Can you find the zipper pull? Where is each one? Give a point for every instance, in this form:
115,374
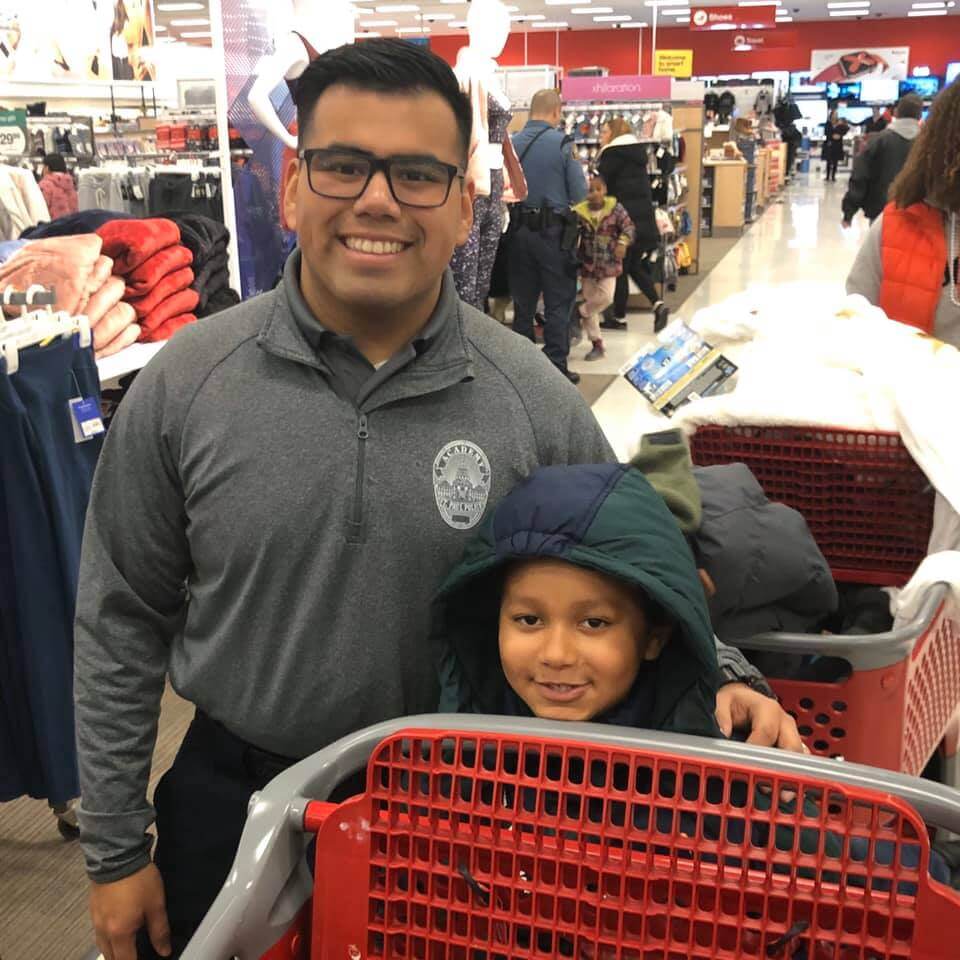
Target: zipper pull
362,431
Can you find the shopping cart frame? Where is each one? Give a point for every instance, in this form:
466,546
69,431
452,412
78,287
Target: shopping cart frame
269,885
902,699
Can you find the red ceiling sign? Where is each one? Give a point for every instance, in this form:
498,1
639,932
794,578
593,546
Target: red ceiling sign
733,18
763,40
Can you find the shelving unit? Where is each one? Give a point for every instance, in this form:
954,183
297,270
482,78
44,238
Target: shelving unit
725,183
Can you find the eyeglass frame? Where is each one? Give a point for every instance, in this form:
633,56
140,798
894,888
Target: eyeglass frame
378,165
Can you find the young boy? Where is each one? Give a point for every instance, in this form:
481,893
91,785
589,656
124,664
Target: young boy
606,233
579,599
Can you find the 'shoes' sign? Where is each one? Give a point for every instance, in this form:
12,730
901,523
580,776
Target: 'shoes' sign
733,18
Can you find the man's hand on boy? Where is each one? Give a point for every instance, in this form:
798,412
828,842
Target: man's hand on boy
120,909
740,707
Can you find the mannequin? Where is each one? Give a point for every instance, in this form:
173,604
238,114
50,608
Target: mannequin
488,24
315,27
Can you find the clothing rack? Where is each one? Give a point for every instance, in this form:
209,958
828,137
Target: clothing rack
38,325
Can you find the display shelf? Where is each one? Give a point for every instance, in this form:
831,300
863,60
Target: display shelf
132,358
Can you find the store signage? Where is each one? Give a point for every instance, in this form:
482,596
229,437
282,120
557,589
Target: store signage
733,18
13,133
616,89
673,63
890,63
764,40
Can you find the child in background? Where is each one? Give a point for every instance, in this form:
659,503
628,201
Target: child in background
606,233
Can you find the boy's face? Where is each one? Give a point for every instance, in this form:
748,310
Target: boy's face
597,194
571,640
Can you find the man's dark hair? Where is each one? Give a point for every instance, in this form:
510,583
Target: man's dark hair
55,163
384,66
909,107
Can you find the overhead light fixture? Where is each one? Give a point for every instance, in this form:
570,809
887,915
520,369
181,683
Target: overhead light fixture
379,23
759,3
677,13
369,35
632,25
926,13
784,19
848,4
561,3
457,24
552,24
436,16
616,18
592,10
159,28
192,22
413,29
849,13
398,8
196,34
929,6
175,7
528,16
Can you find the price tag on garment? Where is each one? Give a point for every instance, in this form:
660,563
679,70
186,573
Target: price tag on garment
137,192
86,418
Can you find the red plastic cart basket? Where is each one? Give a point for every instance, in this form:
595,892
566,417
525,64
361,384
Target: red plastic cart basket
901,699
867,503
483,838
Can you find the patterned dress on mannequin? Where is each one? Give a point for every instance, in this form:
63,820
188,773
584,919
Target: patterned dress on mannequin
472,264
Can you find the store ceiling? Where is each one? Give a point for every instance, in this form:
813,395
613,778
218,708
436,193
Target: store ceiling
388,17
580,14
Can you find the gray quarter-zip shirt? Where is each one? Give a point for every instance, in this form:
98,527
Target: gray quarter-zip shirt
274,546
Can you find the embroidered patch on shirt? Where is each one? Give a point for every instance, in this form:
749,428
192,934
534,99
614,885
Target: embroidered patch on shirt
461,484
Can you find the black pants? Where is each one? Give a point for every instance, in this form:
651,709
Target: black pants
538,266
832,169
637,266
201,805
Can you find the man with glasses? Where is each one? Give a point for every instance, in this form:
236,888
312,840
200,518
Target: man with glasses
286,484
284,487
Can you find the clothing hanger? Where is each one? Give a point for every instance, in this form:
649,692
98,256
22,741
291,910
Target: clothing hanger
37,326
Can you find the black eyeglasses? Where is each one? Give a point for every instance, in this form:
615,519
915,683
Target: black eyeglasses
415,181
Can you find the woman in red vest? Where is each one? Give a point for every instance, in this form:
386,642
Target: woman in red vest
909,263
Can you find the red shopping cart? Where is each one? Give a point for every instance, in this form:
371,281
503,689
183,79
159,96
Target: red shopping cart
867,503
870,509
482,838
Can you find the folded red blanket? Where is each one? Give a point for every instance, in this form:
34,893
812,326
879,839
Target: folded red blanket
169,285
183,302
130,243
168,328
142,280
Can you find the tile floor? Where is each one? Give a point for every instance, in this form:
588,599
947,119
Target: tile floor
797,238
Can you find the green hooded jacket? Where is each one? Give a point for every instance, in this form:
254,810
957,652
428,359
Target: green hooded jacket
606,518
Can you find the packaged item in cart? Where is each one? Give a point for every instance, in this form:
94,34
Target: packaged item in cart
679,366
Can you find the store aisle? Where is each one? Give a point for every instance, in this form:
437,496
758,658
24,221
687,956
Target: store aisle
797,239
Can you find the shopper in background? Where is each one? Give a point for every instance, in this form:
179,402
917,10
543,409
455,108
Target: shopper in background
58,188
606,233
880,162
876,123
835,130
623,166
908,264
542,252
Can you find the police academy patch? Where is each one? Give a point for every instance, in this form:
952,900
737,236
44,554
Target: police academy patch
461,484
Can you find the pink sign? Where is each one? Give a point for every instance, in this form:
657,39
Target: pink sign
616,89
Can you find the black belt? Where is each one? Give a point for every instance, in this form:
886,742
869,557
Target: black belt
541,218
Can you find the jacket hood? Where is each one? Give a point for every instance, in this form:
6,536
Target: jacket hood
586,212
606,518
905,127
624,140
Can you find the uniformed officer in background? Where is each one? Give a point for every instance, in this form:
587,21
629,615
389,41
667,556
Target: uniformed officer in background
543,251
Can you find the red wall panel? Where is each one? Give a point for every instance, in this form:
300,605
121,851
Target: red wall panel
933,42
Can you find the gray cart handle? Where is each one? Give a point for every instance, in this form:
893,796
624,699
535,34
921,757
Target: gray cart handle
872,651
270,882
